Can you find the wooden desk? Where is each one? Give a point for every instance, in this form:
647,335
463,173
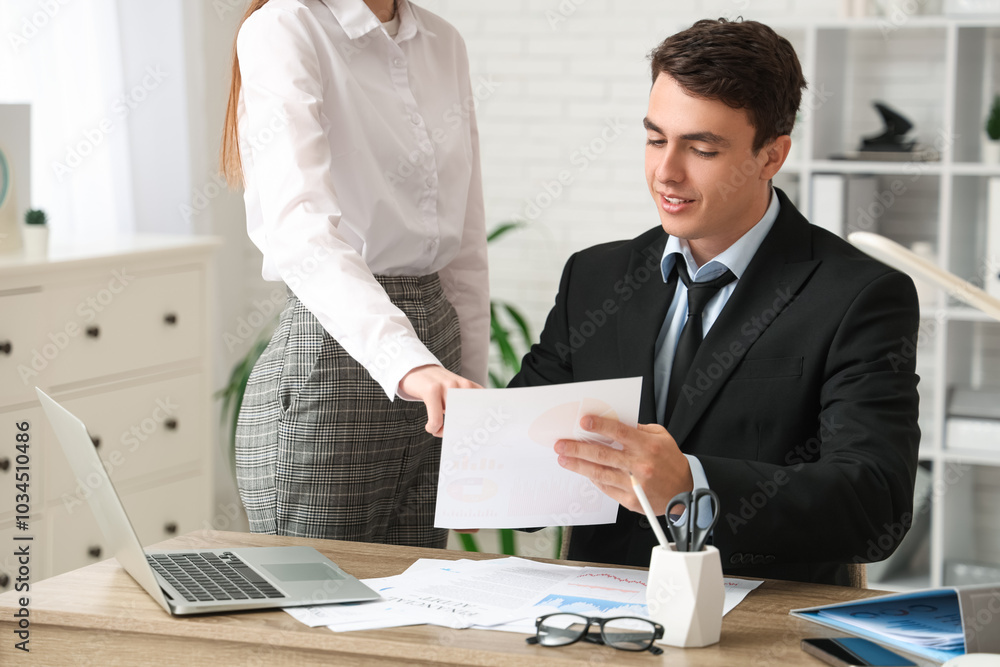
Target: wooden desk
99,615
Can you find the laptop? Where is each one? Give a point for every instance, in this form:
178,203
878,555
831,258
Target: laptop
201,581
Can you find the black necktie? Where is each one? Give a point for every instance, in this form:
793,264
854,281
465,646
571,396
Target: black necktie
699,294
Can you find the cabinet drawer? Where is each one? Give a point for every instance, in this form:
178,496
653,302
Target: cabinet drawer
120,324
156,514
20,334
10,462
137,431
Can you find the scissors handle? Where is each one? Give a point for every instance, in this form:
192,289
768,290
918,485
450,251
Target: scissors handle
699,533
688,534
680,530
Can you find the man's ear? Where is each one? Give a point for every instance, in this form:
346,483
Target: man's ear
775,152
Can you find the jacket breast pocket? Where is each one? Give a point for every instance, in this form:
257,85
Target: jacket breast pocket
760,369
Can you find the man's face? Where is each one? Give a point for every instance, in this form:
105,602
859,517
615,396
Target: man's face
708,185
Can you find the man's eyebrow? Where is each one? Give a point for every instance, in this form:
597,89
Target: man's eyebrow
706,136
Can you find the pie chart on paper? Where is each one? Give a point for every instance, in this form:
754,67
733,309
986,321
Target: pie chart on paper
563,421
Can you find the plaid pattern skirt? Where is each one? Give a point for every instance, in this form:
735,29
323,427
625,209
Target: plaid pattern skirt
320,450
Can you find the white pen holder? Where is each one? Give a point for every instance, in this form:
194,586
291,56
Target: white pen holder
685,595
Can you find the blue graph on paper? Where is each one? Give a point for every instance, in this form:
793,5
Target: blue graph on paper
592,606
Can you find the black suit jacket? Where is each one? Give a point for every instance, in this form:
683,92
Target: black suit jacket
801,404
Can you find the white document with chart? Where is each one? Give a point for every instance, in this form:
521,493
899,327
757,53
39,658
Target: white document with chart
498,465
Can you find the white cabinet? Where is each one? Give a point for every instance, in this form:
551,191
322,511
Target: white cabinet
941,74
119,334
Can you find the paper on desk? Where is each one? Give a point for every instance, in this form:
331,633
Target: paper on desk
379,612
500,594
456,594
605,592
382,613
486,593
498,466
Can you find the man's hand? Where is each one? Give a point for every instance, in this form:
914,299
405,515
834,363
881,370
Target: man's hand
430,384
649,452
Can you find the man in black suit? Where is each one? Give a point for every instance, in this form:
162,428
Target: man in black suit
796,402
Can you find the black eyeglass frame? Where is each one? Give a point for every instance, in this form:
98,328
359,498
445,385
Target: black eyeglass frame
600,638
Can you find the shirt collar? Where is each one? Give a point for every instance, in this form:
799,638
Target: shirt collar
735,258
357,20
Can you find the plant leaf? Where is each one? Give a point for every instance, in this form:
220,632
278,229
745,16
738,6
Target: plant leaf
502,229
502,338
468,542
521,321
507,546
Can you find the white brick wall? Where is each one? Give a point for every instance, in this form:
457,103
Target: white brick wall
566,69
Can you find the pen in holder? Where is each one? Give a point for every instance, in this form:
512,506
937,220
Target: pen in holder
684,591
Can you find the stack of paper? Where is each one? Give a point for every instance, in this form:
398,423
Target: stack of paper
501,594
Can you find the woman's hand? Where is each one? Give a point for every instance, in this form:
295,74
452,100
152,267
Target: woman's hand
430,384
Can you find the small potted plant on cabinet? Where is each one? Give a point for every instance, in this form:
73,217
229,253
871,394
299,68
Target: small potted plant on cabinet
35,234
991,148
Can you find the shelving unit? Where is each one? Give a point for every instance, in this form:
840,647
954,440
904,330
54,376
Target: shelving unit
940,73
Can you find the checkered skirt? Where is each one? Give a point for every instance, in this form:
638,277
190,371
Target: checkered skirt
320,450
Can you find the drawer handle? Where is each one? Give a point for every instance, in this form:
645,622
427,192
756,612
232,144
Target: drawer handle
170,424
96,439
4,464
94,331
4,580
170,528
170,318
94,552
5,347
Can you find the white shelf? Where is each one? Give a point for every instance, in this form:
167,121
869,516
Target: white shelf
973,456
941,73
875,167
965,314
974,169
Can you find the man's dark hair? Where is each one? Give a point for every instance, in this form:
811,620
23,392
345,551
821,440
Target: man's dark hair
744,64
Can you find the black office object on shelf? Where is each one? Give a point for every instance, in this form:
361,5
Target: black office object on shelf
893,135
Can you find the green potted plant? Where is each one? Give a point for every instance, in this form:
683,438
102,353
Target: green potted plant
991,148
35,235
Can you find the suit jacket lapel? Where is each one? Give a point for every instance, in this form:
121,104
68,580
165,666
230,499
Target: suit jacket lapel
640,319
773,279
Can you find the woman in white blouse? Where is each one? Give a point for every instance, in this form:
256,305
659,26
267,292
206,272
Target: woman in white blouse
351,126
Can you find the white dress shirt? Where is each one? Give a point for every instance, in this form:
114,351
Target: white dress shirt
360,156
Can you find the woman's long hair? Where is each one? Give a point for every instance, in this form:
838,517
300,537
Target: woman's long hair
229,155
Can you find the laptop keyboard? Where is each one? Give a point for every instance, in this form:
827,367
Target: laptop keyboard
204,577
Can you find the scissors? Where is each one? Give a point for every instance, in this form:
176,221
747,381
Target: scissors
689,535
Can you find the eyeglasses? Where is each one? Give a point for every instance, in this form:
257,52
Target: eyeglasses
626,633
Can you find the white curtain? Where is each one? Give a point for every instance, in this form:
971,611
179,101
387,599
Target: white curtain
109,135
